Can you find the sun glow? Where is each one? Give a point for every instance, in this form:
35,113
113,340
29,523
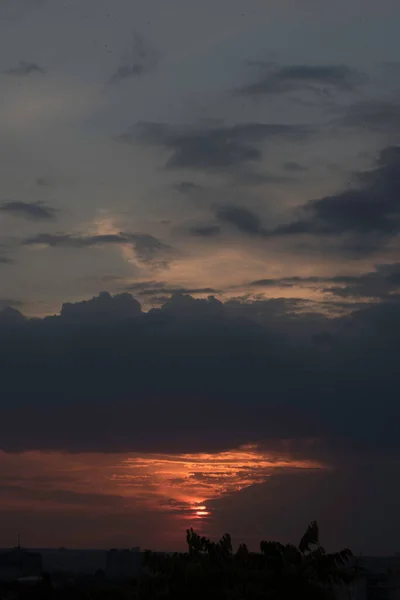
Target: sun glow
182,486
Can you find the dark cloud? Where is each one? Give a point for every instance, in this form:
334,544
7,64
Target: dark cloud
187,187
158,289
205,230
126,71
366,215
10,302
294,167
371,116
25,68
226,148
243,219
296,280
147,247
142,60
5,260
342,500
119,307
313,78
42,181
381,283
254,370
36,211
60,497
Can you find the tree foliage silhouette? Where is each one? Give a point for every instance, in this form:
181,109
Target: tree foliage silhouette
213,570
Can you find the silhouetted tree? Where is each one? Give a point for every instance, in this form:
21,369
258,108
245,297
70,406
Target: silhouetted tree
280,572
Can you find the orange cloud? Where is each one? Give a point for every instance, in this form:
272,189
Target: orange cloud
178,485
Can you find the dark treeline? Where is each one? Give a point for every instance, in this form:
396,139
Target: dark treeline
212,570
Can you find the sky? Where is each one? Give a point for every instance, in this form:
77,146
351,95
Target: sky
199,271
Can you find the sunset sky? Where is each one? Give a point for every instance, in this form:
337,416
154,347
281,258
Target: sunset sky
199,271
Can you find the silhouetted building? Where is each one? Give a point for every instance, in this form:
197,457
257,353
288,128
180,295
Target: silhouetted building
382,576
114,563
122,564
18,563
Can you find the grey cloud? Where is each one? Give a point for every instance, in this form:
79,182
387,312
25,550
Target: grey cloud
165,289
373,115
142,60
23,492
119,307
205,230
315,78
187,187
73,241
127,71
381,283
5,260
106,360
42,181
226,148
10,302
159,288
242,218
25,68
296,280
147,247
294,167
36,211
295,498
368,213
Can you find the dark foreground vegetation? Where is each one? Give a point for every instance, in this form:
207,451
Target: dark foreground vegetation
212,570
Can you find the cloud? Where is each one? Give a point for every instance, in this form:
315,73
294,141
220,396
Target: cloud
141,61
36,211
226,148
146,246
381,116
294,167
127,71
187,187
104,306
10,302
25,68
381,283
313,78
366,215
201,376
243,219
5,260
205,230
156,289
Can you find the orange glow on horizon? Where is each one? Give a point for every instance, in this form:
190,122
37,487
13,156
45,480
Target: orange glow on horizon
179,485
